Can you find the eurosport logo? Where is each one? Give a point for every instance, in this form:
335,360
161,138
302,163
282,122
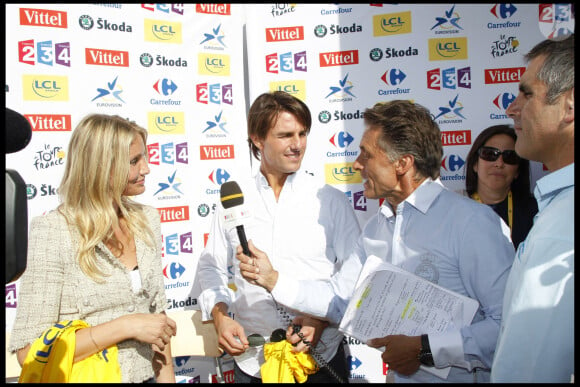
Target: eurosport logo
170,188
216,127
451,112
214,39
448,23
44,52
341,92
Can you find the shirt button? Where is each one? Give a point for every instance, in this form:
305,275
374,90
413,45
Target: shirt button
153,303
131,308
86,303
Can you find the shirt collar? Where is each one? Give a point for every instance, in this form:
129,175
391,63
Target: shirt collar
262,182
421,198
550,185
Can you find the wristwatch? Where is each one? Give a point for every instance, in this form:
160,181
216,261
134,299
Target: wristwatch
425,355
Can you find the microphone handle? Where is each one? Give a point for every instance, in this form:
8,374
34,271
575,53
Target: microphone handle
243,240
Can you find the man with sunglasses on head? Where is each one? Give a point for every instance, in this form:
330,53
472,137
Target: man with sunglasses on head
495,175
536,341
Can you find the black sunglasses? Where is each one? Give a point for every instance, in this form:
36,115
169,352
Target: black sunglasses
489,153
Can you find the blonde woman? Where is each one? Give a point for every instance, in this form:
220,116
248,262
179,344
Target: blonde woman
97,257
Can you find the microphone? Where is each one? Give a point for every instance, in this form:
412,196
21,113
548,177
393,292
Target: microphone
232,199
18,131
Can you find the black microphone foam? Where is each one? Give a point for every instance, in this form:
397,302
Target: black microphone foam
231,196
18,131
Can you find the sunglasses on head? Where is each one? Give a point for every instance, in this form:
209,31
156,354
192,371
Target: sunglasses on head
489,153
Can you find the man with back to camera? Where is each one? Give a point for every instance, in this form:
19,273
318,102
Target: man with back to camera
536,341
308,228
423,228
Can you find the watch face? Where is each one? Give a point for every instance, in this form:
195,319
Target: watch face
427,359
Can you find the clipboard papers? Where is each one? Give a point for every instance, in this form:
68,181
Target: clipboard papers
389,300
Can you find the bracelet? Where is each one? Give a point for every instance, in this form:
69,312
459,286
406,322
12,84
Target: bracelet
93,340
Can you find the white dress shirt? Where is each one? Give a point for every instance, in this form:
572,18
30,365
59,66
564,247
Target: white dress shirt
308,233
448,239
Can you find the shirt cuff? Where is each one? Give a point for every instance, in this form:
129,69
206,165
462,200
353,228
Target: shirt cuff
447,348
210,297
285,291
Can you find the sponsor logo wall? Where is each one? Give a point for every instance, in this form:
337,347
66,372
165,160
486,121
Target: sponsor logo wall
180,71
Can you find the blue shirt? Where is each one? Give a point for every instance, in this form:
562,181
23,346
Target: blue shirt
450,240
307,233
536,343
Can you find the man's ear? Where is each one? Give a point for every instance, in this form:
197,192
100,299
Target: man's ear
404,164
569,106
256,141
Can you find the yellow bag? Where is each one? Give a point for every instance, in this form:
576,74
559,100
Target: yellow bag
50,359
284,366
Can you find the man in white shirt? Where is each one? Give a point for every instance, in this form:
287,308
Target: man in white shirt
307,228
536,341
423,228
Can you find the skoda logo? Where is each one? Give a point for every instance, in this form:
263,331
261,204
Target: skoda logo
324,116
146,59
203,210
30,191
320,31
376,54
86,22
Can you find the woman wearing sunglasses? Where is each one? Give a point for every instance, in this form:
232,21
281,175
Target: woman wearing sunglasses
498,177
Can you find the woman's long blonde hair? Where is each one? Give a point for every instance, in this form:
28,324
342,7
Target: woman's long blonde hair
96,174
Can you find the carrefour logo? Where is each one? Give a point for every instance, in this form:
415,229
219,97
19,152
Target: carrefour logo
452,163
393,77
219,176
503,11
341,139
165,86
173,271
503,100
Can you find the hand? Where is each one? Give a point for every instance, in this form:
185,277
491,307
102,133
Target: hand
401,353
257,269
231,335
311,330
156,329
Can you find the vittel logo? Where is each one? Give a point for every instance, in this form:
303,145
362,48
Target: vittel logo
282,34
43,18
216,9
504,75
338,58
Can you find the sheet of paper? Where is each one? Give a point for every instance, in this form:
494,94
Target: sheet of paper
193,338
389,300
